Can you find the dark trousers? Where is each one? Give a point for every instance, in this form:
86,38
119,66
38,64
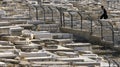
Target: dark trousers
104,16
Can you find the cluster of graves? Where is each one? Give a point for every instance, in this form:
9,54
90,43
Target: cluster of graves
30,34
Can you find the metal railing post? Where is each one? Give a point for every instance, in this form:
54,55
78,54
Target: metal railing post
112,33
108,60
63,19
71,19
36,8
29,8
101,29
43,13
60,11
91,23
52,12
81,20
61,16
91,27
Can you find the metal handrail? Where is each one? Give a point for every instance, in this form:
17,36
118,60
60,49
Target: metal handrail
117,64
80,18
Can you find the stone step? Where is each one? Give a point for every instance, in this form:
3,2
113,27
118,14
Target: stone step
97,46
101,52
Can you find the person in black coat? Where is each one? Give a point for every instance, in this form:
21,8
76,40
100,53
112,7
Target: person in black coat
104,13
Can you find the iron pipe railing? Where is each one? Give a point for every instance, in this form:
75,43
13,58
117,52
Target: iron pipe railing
112,30
116,63
78,12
